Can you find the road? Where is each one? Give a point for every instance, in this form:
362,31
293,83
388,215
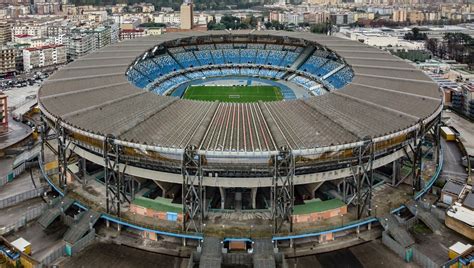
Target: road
452,167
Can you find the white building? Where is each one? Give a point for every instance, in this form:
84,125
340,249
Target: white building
43,57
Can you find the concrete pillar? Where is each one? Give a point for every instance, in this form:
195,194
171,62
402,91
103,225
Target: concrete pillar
222,191
396,172
107,223
164,186
369,226
82,172
313,187
119,227
253,196
358,229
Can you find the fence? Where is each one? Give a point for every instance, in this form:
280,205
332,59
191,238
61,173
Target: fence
30,215
12,174
54,255
82,243
422,260
13,200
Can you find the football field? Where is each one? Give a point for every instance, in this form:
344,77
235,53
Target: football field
233,93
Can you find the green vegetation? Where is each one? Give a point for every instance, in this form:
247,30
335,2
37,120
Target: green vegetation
158,204
415,35
413,55
233,93
152,25
234,23
320,28
454,46
317,206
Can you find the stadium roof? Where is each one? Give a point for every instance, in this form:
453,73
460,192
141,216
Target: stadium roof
386,96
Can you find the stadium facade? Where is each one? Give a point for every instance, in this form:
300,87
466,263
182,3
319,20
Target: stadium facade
120,108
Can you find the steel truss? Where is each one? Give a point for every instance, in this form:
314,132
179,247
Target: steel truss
192,191
362,175
282,190
64,156
114,176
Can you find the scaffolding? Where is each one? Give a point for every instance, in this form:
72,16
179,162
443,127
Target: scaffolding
282,191
192,190
363,177
114,177
57,133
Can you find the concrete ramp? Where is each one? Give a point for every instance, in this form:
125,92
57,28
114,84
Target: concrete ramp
211,255
426,217
263,254
55,211
398,232
80,228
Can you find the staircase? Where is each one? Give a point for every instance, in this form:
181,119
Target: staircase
263,253
426,217
398,233
55,211
211,255
81,227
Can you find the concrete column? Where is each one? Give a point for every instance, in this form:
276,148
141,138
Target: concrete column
253,196
222,191
313,187
396,172
107,223
119,227
82,166
164,186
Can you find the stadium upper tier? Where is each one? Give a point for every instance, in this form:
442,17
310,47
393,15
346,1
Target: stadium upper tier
379,96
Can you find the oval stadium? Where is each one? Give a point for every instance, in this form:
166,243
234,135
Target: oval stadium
213,132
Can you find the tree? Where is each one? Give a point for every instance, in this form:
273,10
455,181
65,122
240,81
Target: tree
431,45
321,28
415,35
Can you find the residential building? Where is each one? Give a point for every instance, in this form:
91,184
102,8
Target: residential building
7,60
3,113
43,57
5,33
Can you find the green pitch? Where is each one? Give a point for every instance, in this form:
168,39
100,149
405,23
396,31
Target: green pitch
233,93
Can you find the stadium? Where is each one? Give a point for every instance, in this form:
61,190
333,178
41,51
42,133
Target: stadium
202,123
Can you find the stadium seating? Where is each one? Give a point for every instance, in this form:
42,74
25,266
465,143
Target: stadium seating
262,56
217,56
318,65
249,71
206,47
167,64
248,55
186,59
256,46
169,84
313,64
341,77
231,55
304,82
289,58
224,46
137,78
176,49
204,57
275,57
